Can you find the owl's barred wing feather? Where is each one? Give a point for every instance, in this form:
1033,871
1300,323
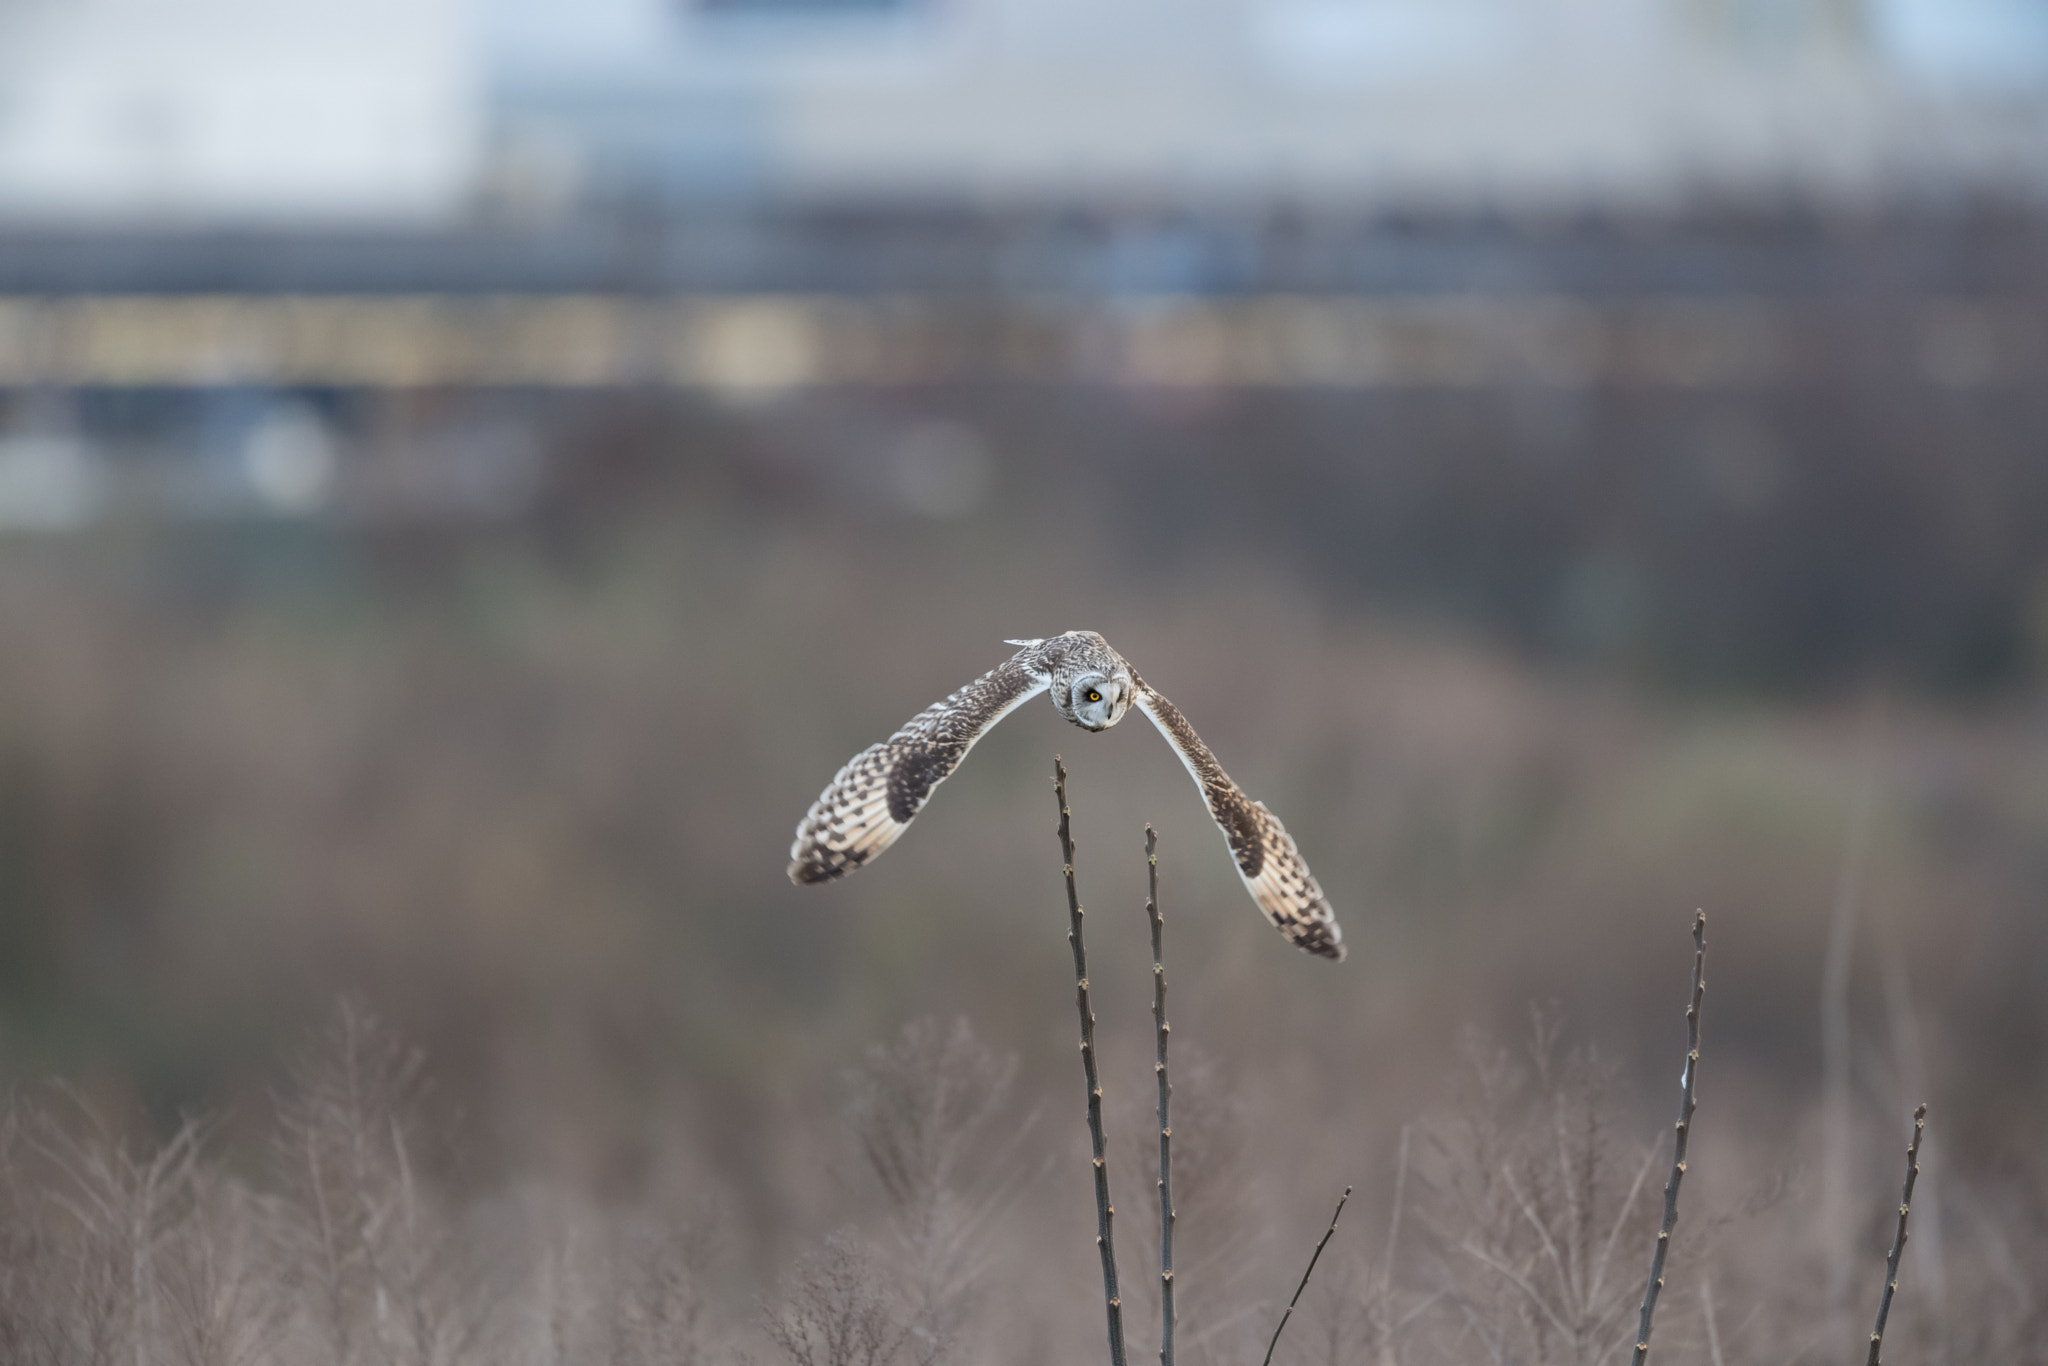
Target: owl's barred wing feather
1266,857
880,790
875,796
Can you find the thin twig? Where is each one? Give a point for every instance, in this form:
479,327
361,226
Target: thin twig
1379,1299
1538,1301
1891,1263
1930,1267
1104,1211
1713,1329
1394,1219
1161,1029
1565,1278
1628,1206
1688,1086
1310,1271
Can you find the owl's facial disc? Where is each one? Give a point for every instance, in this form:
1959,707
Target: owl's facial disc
1099,701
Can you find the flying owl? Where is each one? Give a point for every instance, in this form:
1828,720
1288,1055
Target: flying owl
880,790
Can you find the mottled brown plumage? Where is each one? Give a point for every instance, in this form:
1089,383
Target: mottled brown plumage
880,790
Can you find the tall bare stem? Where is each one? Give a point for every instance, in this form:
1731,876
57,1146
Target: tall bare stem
1688,1083
1891,1263
1105,1213
1161,1029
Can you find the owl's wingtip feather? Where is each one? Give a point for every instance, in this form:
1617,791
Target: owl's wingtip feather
806,873
1318,940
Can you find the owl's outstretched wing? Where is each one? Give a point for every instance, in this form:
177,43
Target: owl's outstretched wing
879,791
1266,857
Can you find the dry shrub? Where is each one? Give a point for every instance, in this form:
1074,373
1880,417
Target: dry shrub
838,1309
927,1111
227,1303
624,1289
1518,1227
1517,1231
377,1245
1375,1311
119,1252
98,1225
1540,1211
658,1313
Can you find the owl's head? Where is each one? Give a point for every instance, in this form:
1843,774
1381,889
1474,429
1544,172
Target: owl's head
1091,684
1098,701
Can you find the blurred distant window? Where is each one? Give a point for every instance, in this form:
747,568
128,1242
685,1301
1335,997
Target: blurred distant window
1996,44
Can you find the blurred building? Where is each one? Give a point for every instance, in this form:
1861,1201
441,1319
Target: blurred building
1415,102
398,260
254,111
309,111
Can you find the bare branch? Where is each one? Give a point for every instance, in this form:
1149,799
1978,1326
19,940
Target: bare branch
1688,1082
1891,1264
1310,1271
1105,1213
1161,1029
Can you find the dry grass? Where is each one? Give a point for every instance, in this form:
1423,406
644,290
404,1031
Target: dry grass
929,1116
1515,1227
1539,1210
117,1252
1513,1231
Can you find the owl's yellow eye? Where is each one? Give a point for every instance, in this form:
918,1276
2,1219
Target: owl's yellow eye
1094,696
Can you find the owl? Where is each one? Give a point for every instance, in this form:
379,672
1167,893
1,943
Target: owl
880,790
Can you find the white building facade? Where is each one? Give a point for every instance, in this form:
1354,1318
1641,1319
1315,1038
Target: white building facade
422,111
